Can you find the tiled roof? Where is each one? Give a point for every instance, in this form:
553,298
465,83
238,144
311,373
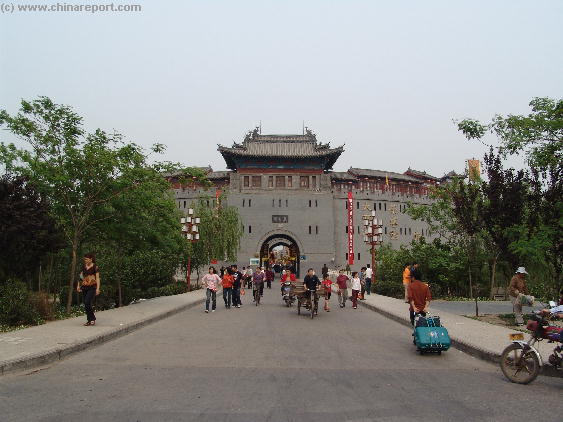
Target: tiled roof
281,148
342,175
421,174
383,174
218,175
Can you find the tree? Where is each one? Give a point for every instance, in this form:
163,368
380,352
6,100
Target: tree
538,236
220,233
27,231
82,173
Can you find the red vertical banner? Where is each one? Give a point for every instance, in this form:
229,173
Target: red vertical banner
350,228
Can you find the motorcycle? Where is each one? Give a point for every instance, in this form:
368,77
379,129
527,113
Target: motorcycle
286,294
521,362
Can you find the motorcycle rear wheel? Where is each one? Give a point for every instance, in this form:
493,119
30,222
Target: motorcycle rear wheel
519,365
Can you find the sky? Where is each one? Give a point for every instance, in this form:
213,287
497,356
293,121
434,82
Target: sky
385,78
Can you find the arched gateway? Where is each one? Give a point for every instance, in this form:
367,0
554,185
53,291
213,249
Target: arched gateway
291,256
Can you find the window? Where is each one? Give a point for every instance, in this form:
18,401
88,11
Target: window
243,201
309,229
358,229
410,231
184,204
270,181
358,256
249,229
304,181
358,205
280,181
246,182
179,205
316,203
385,230
256,181
289,181
385,206
250,202
273,202
380,206
208,203
316,229
346,204
286,202
279,202
314,181
346,229
346,257
309,203
401,230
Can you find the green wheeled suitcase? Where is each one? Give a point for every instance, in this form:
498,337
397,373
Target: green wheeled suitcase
431,338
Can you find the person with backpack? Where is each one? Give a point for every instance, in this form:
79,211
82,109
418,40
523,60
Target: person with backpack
237,285
419,295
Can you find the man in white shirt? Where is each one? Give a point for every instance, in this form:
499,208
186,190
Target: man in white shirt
368,275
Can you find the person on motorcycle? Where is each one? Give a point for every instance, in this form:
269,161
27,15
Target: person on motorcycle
556,313
288,276
311,281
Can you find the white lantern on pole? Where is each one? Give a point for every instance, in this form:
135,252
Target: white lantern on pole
183,220
190,211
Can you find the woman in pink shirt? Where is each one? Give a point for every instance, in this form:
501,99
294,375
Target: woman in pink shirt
211,281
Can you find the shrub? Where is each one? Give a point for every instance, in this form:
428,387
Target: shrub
395,290
43,305
16,306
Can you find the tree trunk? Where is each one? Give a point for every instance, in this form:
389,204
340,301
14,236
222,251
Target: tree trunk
493,273
72,272
470,282
119,296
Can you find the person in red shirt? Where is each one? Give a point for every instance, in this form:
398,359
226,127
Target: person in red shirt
288,276
327,290
419,295
341,281
227,282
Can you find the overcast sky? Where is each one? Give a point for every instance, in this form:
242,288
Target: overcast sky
386,78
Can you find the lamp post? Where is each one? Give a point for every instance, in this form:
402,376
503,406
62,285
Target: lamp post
373,236
190,230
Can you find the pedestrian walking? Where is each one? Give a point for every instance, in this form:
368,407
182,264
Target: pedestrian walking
369,276
227,282
89,286
248,277
361,296
419,295
269,278
407,280
516,289
211,282
238,286
327,290
356,287
342,281
324,271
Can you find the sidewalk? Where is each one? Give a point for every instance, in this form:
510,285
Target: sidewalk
479,339
39,345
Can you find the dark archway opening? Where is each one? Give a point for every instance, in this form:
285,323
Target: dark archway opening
280,250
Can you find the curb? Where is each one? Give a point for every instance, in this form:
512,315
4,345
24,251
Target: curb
468,348
59,353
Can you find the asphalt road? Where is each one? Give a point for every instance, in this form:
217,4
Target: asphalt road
267,363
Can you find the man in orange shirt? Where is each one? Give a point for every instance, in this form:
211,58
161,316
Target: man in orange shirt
227,283
407,281
419,295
